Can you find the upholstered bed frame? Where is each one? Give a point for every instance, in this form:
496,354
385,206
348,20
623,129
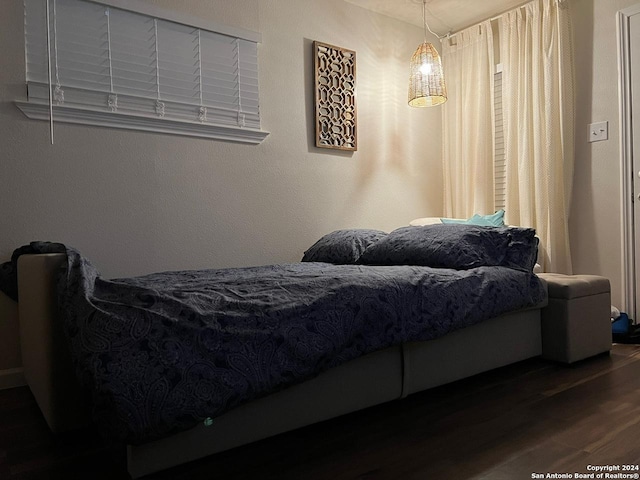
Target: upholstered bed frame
379,377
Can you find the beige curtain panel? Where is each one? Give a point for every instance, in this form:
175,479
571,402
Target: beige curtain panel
538,121
537,105
468,120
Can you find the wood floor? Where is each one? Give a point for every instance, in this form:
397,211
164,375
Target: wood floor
532,417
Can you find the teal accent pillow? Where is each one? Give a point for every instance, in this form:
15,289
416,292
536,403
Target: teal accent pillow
493,220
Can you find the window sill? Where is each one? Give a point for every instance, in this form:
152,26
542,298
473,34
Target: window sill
82,116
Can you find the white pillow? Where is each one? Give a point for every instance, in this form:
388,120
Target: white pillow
419,222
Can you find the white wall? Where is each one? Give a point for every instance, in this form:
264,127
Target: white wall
138,202
596,215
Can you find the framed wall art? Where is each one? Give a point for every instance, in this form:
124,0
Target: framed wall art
335,97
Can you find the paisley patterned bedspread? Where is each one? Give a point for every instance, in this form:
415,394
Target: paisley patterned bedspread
161,352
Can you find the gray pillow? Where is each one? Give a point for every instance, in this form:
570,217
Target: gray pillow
342,247
456,246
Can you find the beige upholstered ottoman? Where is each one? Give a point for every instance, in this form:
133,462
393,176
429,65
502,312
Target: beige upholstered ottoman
576,323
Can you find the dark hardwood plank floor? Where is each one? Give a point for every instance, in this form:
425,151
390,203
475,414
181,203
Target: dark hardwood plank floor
532,417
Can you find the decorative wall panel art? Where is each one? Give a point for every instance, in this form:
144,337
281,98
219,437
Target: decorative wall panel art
335,92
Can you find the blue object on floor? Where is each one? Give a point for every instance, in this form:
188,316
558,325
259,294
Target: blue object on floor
621,325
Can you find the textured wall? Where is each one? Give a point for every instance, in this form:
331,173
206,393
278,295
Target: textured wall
140,202
137,202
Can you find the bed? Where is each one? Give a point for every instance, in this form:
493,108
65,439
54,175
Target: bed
375,318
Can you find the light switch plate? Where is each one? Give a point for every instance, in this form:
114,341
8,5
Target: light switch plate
598,131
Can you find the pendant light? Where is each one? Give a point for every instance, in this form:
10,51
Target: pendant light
426,80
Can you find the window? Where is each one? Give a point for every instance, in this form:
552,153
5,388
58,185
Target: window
115,67
500,159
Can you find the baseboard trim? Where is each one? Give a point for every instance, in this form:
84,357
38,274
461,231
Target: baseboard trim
11,378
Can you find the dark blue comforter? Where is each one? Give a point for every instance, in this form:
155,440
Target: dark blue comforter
162,352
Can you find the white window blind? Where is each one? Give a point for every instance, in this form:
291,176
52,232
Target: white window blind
118,68
500,161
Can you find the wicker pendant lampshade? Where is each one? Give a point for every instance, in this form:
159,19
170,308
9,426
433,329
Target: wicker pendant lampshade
426,80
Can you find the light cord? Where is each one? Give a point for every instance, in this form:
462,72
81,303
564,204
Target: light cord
426,24
49,73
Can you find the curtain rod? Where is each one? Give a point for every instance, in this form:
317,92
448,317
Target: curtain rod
561,4
491,19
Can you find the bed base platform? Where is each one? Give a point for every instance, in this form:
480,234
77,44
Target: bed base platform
376,378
